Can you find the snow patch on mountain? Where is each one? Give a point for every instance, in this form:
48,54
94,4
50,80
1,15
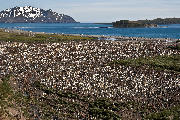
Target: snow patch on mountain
32,14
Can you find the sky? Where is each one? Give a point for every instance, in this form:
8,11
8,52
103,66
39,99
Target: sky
90,11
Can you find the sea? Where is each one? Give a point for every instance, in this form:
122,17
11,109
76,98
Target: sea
163,31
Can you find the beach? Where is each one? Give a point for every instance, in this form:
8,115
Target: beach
99,37
89,79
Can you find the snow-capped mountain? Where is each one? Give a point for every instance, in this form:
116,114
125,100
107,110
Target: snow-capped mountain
29,14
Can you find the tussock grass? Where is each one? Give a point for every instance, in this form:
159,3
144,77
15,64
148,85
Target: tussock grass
159,62
39,38
5,94
167,114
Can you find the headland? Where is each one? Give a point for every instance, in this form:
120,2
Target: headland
132,24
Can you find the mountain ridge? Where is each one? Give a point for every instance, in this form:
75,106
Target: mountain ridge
29,14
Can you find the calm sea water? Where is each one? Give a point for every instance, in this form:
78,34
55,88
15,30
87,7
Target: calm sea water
164,31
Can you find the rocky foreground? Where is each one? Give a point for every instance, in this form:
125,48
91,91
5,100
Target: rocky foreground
81,80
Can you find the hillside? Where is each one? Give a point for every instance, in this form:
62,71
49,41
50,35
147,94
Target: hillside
29,14
161,21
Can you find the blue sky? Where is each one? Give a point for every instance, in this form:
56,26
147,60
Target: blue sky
104,10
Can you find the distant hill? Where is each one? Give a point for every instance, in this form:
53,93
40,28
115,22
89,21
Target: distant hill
161,21
131,24
29,14
158,21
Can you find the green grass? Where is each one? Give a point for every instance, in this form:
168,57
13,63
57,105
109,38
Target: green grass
5,89
104,109
10,98
39,38
160,62
167,114
5,93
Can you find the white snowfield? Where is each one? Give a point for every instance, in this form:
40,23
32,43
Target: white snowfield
28,12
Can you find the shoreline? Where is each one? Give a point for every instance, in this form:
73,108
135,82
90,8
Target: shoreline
99,37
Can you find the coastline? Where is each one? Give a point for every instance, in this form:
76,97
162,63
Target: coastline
99,37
